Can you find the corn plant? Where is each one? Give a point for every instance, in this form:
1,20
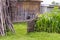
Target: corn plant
49,22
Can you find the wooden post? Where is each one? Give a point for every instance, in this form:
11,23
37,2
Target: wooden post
30,25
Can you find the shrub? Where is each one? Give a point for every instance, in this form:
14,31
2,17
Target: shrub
49,22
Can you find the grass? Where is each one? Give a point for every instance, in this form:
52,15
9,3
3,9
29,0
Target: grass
21,34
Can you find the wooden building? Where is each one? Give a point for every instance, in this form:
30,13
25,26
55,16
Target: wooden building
23,10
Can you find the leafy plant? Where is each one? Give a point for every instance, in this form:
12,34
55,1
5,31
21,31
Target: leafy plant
49,22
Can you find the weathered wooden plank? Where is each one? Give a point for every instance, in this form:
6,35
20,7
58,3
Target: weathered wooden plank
25,9
31,25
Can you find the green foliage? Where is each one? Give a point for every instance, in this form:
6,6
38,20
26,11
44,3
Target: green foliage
49,22
21,34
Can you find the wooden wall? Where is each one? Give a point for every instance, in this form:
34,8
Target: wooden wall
21,10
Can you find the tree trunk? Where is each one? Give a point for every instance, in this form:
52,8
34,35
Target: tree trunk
5,20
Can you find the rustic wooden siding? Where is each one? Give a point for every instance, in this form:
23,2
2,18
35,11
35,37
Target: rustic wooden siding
21,10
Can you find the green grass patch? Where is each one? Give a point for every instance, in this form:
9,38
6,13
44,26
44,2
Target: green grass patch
21,34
